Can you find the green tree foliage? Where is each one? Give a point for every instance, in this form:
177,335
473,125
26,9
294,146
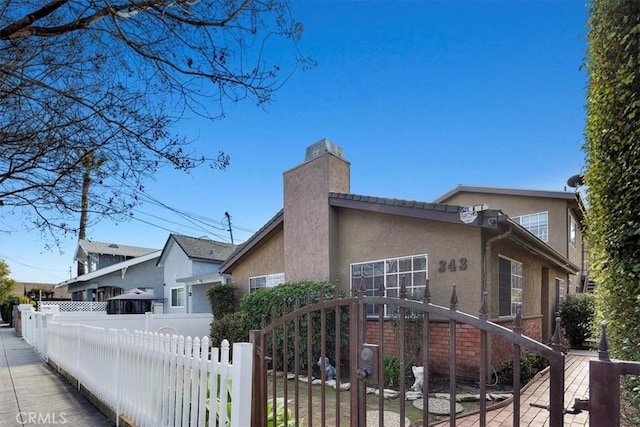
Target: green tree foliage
613,170
6,283
7,299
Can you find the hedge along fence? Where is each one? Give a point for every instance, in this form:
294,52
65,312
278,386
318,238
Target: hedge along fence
265,305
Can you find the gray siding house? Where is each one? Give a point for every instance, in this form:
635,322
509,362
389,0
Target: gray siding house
190,266
117,278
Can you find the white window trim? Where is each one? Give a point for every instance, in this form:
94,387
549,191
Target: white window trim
184,295
573,232
276,279
385,274
513,311
518,219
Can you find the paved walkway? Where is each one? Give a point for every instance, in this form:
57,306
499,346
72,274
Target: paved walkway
576,385
31,393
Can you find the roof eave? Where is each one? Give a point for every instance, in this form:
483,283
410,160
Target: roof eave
524,237
245,248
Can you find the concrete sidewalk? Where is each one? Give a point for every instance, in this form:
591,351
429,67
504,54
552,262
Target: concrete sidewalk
31,393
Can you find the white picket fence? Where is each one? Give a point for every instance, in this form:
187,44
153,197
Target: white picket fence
192,324
153,379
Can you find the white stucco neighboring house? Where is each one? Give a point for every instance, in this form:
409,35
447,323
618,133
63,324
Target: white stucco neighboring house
191,266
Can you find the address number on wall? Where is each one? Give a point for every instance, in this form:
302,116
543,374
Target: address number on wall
453,265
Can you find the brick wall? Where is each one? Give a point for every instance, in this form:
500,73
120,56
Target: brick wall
467,344
502,350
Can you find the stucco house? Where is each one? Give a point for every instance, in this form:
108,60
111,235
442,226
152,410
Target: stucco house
327,233
113,269
190,266
555,217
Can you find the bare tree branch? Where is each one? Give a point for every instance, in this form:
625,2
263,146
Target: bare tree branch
74,84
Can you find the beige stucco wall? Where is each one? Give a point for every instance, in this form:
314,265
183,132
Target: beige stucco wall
523,205
539,284
307,218
266,258
369,236
558,211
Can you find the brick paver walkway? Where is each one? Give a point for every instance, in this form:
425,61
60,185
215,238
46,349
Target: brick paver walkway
576,384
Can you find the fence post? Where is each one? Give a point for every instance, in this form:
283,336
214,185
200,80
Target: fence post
242,383
257,399
604,387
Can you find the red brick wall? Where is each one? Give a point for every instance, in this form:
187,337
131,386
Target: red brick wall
502,350
467,344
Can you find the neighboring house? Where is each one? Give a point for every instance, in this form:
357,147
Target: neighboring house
97,255
114,269
37,291
191,266
326,233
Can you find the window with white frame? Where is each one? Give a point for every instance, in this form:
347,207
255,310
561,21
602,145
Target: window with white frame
510,286
389,275
177,297
266,281
573,231
536,223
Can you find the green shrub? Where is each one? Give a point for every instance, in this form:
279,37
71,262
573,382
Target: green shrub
223,300
577,313
6,308
391,371
271,303
530,365
612,177
232,327
280,419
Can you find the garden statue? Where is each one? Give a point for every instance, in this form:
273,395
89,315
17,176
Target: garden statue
329,370
418,372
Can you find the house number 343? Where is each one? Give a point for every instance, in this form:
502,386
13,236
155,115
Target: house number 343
452,265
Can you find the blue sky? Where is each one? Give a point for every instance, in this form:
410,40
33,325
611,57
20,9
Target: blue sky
421,95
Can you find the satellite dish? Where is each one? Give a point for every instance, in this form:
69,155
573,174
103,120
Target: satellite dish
575,181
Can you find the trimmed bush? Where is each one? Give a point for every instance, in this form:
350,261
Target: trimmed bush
577,313
530,365
6,308
270,303
223,300
612,177
232,327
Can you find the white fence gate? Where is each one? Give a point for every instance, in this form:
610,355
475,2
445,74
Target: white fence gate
153,379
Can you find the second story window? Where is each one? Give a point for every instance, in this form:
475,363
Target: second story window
573,231
536,223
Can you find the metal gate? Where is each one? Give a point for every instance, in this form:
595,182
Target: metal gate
296,343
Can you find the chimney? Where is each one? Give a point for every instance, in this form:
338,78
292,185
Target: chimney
309,221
